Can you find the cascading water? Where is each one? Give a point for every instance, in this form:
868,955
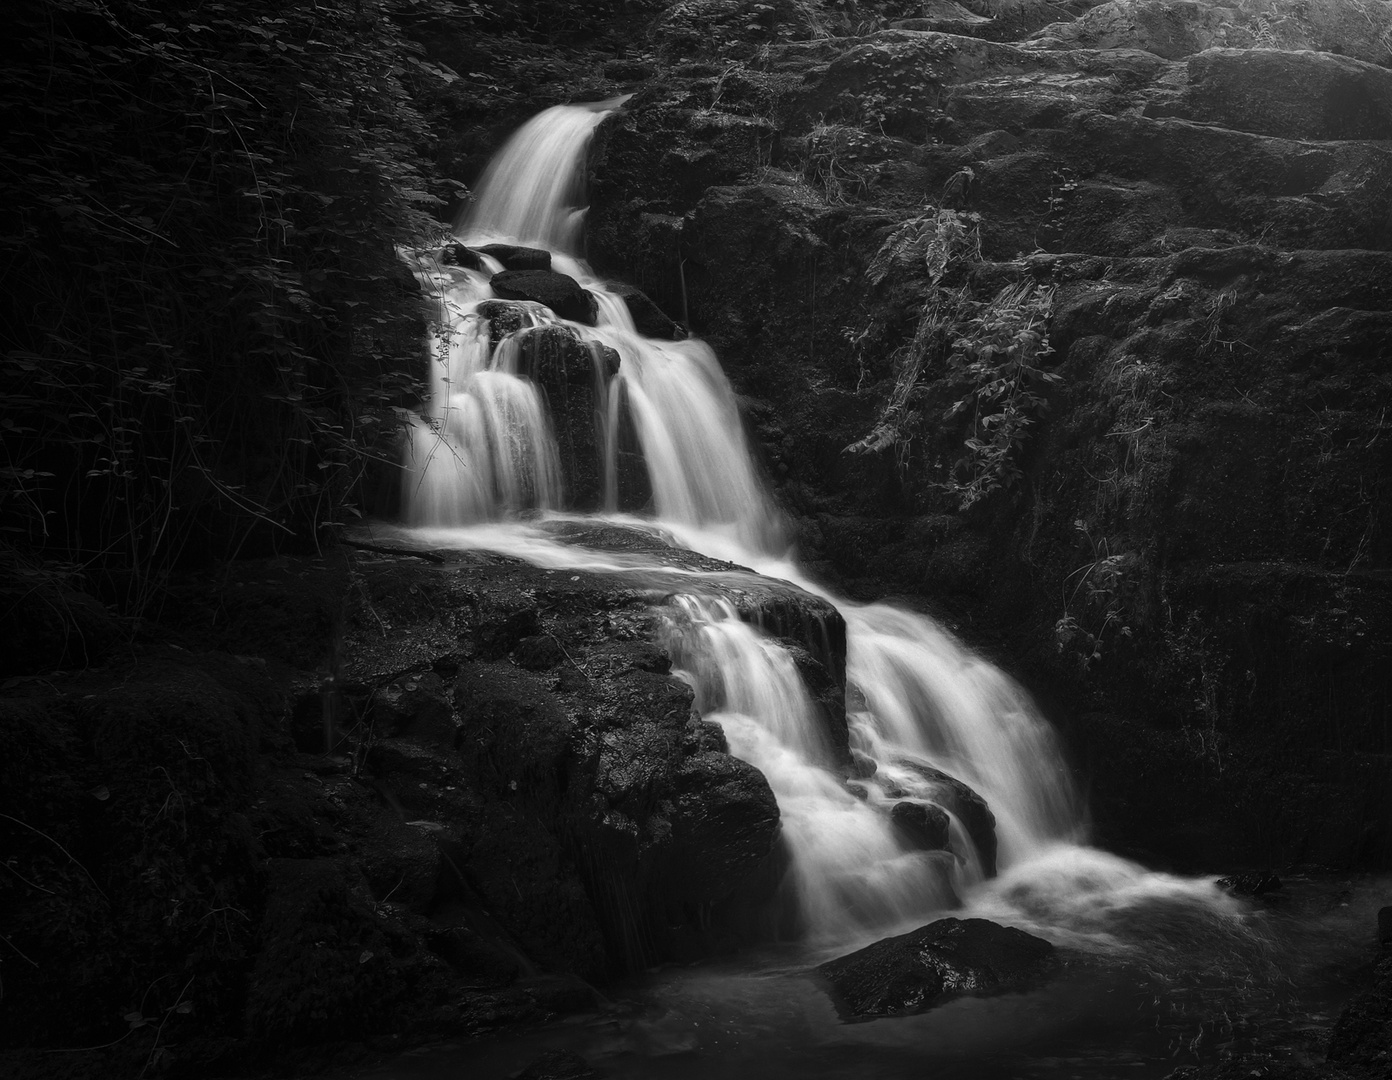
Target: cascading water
930,725
486,446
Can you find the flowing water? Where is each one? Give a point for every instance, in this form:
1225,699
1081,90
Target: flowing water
923,711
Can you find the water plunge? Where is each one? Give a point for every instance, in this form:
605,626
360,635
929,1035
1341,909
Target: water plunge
938,738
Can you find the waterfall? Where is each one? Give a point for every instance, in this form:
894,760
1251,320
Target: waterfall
934,730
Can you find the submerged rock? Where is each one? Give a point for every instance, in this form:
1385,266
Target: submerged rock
934,964
966,805
922,825
561,293
516,257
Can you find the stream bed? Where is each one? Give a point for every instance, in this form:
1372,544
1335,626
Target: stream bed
1159,994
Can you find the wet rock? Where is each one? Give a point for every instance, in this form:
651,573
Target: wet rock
458,255
966,805
921,826
1253,883
504,318
933,964
649,319
1293,95
561,293
573,374
515,257
724,820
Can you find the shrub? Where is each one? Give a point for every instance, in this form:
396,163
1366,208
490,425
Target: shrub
206,321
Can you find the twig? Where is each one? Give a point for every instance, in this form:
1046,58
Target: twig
17,949
64,850
31,884
164,1020
568,656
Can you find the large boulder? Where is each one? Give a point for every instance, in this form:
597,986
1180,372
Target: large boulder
933,964
573,374
724,821
1292,95
561,293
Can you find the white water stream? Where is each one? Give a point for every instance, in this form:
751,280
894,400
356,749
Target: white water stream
486,449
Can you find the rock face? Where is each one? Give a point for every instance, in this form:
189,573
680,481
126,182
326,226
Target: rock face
420,799
561,293
934,964
1182,543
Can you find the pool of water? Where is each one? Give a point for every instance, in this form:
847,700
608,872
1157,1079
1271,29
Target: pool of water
1157,986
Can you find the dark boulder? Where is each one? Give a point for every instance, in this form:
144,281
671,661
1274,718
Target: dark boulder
649,319
724,821
965,804
573,374
562,294
920,825
504,318
515,257
933,964
458,255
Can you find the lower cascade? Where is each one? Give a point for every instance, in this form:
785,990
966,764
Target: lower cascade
943,787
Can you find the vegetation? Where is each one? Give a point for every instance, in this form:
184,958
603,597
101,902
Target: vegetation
206,323
992,350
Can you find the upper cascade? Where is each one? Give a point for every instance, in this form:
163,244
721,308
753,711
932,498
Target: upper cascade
488,443
533,191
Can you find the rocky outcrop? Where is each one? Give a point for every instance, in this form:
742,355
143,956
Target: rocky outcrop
1184,545
481,791
934,964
